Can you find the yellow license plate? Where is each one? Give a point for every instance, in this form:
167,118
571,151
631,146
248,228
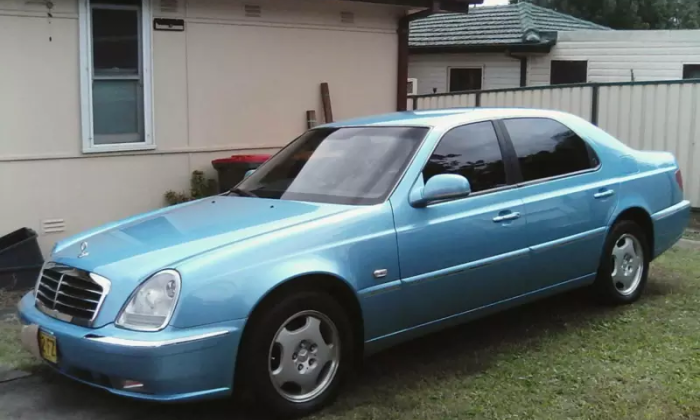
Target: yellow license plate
48,347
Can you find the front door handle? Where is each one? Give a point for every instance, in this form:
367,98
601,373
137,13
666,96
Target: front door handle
603,194
504,218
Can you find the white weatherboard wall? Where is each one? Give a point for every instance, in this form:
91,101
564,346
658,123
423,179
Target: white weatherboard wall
498,70
656,116
652,55
226,85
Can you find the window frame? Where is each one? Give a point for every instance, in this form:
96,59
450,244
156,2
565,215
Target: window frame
551,71
507,153
414,85
687,68
449,76
87,76
592,154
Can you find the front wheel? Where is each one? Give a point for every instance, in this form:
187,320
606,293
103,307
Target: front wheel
624,266
298,353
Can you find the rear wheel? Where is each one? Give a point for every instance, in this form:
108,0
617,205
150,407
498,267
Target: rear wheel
298,353
624,266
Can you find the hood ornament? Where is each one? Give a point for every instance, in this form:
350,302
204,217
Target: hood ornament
83,250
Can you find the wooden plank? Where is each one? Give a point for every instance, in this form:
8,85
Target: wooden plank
326,99
310,119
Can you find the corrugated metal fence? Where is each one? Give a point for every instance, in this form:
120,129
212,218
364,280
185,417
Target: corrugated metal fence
645,115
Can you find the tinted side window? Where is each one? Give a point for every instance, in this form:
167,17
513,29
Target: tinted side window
547,148
471,151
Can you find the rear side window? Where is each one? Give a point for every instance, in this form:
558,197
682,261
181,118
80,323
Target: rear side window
471,151
547,148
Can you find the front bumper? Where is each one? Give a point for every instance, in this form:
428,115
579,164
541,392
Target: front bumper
173,365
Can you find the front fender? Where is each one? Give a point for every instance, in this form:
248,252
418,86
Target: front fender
234,295
228,283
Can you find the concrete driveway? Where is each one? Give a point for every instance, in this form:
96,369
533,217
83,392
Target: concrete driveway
48,396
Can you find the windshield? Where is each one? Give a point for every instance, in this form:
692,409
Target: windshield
350,165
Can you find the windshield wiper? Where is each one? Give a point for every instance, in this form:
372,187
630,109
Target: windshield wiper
242,193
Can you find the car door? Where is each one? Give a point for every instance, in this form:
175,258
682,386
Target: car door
461,254
568,199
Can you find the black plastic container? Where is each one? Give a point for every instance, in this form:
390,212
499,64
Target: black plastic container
20,259
232,169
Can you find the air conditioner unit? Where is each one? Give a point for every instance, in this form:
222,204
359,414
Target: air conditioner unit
412,86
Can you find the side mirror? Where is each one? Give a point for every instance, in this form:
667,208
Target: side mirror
248,173
441,187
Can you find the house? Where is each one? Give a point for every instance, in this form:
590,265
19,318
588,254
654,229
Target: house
107,104
519,45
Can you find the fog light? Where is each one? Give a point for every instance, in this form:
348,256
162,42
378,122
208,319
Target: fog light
132,385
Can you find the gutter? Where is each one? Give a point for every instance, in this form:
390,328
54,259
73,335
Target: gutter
402,69
436,6
523,67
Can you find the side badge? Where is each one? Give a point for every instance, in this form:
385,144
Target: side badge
381,273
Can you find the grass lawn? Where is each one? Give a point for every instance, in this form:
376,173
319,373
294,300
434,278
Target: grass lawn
692,234
12,355
563,358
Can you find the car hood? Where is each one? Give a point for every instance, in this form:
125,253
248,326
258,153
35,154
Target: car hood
131,250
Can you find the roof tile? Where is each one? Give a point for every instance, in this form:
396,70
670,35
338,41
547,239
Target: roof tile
495,25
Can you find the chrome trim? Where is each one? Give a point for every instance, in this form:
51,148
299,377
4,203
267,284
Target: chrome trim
473,265
381,273
471,195
97,302
562,176
493,120
568,239
604,194
507,217
83,250
52,312
380,288
670,211
106,288
446,130
124,342
104,283
43,294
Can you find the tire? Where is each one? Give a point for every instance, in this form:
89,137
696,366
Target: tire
621,276
283,344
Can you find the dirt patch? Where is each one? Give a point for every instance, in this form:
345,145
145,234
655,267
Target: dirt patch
695,219
9,299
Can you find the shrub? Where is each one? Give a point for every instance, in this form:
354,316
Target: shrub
200,187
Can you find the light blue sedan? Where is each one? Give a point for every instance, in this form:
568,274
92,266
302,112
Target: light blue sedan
355,237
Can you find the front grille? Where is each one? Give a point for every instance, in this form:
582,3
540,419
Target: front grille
69,294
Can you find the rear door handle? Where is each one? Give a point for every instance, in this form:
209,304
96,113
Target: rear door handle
603,194
504,218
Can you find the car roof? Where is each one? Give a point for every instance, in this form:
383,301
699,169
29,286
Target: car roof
443,117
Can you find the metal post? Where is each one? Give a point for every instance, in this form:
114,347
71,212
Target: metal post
594,105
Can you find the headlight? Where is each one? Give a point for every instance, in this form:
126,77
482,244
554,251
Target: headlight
153,303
